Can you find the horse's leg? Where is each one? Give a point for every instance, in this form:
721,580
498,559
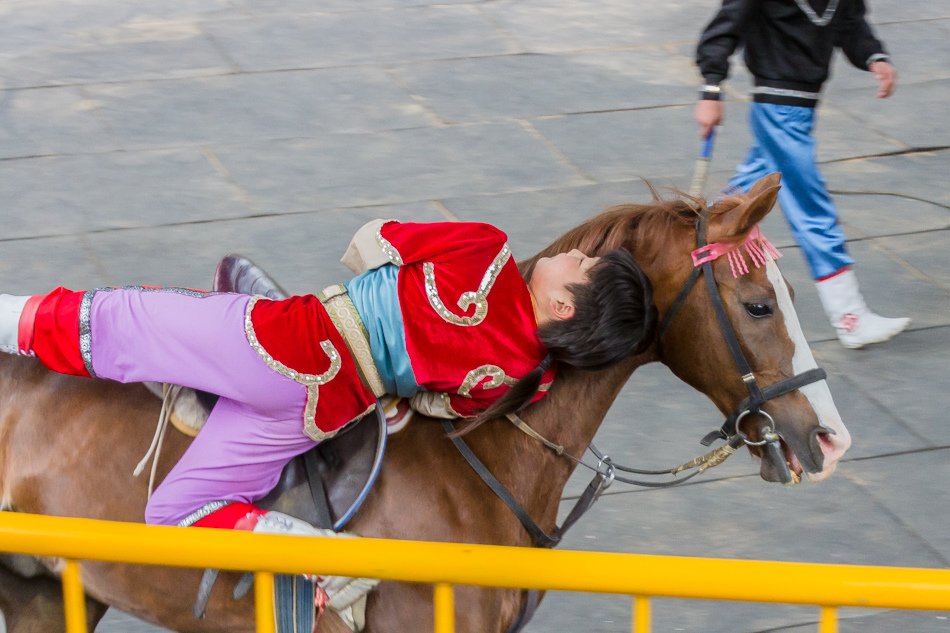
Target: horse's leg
35,605
397,607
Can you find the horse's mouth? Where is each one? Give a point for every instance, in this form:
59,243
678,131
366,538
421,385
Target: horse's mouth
791,469
780,464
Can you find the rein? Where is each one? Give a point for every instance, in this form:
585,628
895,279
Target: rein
731,431
605,470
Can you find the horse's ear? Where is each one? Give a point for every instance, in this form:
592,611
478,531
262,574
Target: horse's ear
735,223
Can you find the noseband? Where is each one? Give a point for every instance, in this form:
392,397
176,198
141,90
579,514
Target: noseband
731,430
605,470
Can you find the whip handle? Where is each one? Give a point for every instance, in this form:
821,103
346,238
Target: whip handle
701,169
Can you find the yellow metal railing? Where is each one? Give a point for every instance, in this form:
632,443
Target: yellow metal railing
445,564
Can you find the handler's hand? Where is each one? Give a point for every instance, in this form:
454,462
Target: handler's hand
886,76
708,114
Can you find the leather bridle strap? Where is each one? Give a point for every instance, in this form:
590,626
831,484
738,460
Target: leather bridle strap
755,399
757,396
678,302
541,539
768,393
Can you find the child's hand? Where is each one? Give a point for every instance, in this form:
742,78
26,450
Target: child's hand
886,76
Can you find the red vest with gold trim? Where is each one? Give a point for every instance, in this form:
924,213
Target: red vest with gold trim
468,316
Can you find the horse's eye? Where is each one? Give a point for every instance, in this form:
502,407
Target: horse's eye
758,310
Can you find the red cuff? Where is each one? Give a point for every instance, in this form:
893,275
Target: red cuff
234,516
56,332
834,274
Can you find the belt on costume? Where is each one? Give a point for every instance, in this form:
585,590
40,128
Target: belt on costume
348,323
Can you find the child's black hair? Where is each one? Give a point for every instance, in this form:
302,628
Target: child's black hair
614,318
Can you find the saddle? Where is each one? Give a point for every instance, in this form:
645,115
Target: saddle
325,486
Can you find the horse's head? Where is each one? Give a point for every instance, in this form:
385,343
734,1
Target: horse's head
749,355
768,362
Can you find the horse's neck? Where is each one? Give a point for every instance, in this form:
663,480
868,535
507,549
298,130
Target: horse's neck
569,416
575,410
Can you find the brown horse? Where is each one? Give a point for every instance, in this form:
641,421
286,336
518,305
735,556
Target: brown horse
67,445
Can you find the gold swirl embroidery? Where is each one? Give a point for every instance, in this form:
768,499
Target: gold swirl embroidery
388,249
310,381
477,298
494,373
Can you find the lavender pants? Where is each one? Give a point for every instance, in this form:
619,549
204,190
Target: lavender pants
185,338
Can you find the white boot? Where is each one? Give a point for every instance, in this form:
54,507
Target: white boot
853,321
11,307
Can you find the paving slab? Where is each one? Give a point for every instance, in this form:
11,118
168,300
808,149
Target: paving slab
920,175
889,286
621,145
534,219
131,53
50,121
909,11
315,41
248,107
60,195
32,266
300,251
879,215
526,86
927,253
553,26
906,486
916,124
409,165
882,375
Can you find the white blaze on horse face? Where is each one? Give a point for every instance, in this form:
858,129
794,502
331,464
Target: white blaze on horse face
817,393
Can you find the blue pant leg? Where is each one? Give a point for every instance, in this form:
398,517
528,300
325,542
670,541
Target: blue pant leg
784,135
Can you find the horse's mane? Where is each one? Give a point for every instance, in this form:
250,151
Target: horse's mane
641,227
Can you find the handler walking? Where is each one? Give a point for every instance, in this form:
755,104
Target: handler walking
788,48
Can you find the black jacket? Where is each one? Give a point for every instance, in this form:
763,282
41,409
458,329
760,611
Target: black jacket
786,50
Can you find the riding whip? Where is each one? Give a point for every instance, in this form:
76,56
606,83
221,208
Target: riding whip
701,169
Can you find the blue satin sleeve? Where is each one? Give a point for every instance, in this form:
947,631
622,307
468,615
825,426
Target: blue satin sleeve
374,293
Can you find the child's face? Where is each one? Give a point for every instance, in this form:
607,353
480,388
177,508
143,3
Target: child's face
564,268
550,280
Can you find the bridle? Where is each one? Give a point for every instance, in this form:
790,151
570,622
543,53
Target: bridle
606,470
731,430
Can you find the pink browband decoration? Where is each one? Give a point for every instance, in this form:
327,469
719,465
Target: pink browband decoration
760,251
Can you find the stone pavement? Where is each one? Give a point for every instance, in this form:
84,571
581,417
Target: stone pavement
141,141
